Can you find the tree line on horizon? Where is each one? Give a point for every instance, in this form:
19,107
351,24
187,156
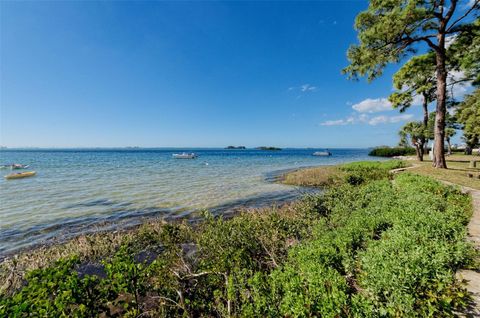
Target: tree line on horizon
442,39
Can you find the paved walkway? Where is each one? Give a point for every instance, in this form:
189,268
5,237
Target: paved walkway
473,276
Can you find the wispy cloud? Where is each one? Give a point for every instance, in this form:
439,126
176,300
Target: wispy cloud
374,105
308,88
304,88
366,107
449,40
339,122
470,3
389,119
455,90
367,119
458,90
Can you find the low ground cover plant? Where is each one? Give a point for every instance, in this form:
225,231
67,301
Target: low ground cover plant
371,246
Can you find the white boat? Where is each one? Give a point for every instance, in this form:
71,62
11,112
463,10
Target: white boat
184,155
14,166
322,153
19,166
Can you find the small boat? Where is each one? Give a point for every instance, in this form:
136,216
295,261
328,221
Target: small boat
19,175
19,166
322,153
184,155
14,166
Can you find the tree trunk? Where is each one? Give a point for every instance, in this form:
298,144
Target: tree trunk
418,152
425,110
418,149
439,153
421,148
424,140
449,146
468,150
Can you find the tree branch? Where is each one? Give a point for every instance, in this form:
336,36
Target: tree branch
200,274
450,12
430,43
168,299
463,16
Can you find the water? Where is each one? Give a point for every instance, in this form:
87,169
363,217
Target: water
79,191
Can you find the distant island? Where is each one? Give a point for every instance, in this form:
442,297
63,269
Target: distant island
235,147
268,148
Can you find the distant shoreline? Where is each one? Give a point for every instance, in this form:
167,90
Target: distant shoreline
167,148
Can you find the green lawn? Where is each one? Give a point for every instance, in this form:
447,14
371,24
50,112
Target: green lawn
458,170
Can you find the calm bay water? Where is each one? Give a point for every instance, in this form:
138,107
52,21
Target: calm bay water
79,191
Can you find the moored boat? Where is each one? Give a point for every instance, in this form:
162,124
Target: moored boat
15,166
19,175
322,153
19,166
184,155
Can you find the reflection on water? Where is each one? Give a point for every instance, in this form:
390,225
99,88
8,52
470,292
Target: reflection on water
78,191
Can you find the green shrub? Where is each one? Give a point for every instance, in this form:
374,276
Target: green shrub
56,291
308,288
360,172
391,151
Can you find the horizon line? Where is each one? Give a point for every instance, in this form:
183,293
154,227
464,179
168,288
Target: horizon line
167,147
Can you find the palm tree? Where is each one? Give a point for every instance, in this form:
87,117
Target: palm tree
415,133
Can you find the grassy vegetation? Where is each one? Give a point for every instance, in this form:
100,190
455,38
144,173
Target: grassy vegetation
314,177
324,176
458,171
367,247
392,151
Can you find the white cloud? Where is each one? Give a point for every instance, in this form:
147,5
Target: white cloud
365,108
389,119
370,105
364,118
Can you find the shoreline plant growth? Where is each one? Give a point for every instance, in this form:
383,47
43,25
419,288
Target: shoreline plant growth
391,151
372,245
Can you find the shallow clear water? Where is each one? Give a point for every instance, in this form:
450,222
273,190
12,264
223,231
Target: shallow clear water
77,191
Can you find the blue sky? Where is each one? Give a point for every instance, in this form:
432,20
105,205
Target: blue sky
200,74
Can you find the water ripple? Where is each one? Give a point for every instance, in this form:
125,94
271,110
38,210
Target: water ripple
78,191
